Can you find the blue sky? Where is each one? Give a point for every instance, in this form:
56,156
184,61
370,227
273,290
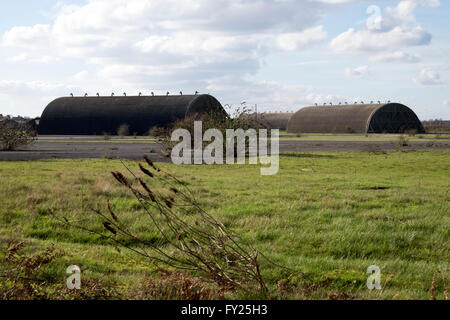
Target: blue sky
279,54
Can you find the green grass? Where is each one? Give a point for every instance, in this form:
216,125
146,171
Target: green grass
328,216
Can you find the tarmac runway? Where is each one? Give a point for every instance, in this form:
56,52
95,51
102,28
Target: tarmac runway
76,147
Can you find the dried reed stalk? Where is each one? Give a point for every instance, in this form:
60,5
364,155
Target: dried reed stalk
193,240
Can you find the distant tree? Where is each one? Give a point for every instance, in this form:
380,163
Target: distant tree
123,130
240,119
436,126
12,138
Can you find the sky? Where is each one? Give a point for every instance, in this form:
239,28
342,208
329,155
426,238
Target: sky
280,55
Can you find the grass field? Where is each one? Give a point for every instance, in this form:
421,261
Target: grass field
325,216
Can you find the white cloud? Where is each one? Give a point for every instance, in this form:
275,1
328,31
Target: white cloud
169,42
269,95
23,57
445,102
209,46
427,77
336,1
30,97
396,56
18,58
299,40
405,8
28,37
16,87
160,45
82,75
367,41
358,72
396,29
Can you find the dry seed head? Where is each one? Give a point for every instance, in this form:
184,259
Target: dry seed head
14,247
168,203
145,171
112,213
120,178
150,163
108,227
147,189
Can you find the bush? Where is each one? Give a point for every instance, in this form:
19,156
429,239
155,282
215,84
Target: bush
187,237
173,285
25,276
123,130
157,132
11,139
20,272
106,136
402,141
239,120
411,132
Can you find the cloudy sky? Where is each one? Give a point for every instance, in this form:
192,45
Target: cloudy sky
279,54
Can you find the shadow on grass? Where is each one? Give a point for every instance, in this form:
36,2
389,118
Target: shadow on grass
375,188
306,155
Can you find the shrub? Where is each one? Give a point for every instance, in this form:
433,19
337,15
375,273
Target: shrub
411,132
402,141
173,285
25,277
19,278
12,138
157,132
239,120
187,238
123,130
